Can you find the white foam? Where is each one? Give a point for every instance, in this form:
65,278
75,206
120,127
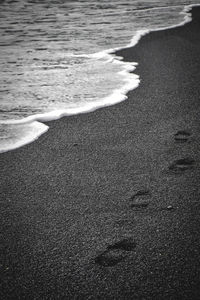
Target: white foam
131,81
35,130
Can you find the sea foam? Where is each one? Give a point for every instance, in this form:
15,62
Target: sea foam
35,127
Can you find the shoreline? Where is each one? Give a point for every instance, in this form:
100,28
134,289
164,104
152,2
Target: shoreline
106,204
116,97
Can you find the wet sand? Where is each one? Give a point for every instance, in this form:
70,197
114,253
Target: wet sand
106,205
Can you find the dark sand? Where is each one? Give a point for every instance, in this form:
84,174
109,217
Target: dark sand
106,205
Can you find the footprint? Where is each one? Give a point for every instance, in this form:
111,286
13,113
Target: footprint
141,199
182,164
109,258
126,245
141,193
115,253
182,136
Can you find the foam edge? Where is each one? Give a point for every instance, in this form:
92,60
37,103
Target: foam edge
131,82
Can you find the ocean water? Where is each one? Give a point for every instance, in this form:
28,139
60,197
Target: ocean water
56,57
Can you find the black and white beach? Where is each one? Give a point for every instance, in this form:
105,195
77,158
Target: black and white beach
106,204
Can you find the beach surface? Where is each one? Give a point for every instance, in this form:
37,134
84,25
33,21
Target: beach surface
106,205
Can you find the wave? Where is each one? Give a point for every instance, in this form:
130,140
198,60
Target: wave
131,81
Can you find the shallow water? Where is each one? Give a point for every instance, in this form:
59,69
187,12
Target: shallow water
55,58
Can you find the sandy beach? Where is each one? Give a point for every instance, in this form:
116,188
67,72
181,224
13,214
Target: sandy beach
106,205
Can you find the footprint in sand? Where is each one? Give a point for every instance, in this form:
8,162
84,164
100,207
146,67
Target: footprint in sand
182,136
182,164
115,253
141,199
